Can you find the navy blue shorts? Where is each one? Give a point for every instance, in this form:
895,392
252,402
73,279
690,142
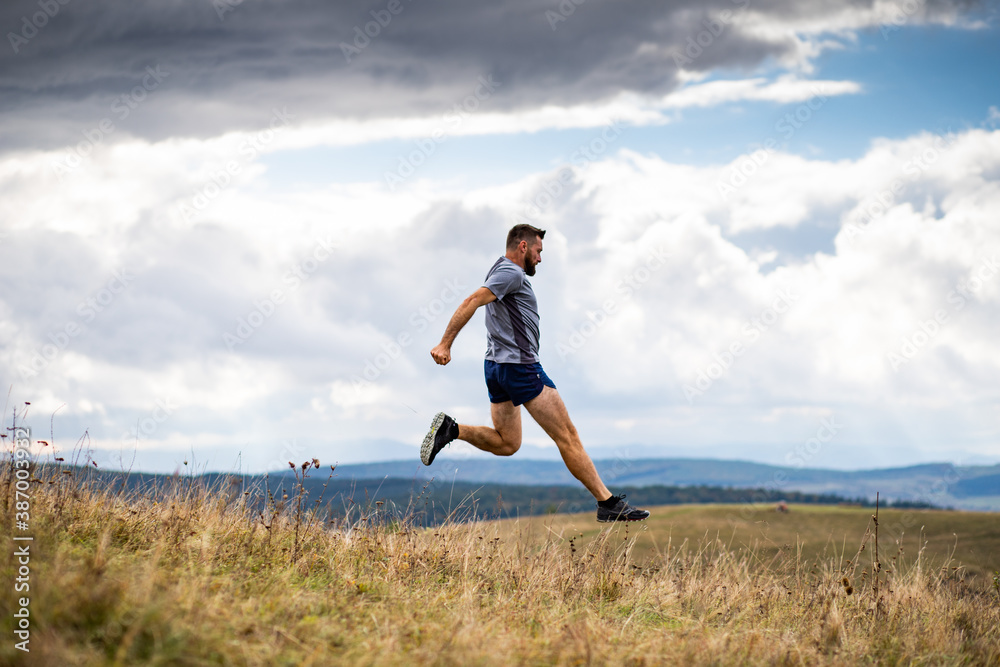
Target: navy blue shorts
518,383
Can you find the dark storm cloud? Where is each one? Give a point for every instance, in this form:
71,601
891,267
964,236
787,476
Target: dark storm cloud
66,66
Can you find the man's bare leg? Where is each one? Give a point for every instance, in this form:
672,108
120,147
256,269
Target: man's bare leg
504,438
550,412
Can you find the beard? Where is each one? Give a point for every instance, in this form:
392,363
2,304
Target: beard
529,266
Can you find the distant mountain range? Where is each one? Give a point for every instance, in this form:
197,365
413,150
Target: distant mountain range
417,500
940,484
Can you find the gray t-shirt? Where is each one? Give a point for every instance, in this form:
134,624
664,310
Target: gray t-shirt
511,320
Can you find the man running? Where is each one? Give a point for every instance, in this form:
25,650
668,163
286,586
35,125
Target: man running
514,375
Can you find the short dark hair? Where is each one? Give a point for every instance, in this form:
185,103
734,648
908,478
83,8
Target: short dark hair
523,232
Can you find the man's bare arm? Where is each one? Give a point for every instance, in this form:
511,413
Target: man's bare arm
464,312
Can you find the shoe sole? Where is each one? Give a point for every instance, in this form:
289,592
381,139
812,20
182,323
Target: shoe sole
617,520
428,446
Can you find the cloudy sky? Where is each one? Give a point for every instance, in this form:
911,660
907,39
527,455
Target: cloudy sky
232,230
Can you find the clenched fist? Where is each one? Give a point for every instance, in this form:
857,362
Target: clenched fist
441,354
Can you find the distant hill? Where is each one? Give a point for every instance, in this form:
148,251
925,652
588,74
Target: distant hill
982,485
940,484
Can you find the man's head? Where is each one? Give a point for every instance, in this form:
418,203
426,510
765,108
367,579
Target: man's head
524,246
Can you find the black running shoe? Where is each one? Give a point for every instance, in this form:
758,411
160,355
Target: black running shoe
444,429
622,511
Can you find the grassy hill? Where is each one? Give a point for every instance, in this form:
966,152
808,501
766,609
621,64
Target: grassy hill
200,577
969,540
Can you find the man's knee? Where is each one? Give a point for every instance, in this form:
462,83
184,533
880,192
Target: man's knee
510,446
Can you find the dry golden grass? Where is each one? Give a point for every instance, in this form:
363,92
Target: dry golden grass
200,579
818,532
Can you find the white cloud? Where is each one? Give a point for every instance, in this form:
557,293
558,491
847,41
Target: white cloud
884,269
785,89
805,36
231,156
627,108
